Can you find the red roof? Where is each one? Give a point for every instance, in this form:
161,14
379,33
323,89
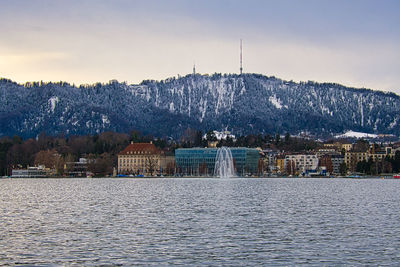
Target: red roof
140,148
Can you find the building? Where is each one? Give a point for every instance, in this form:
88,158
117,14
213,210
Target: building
301,163
351,159
347,146
339,146
201,161
31,172
326,161
221,135
326,151
269,158
167,164
140,159
375,153
337,160
76,168
280,164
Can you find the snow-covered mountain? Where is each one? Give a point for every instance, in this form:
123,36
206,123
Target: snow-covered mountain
248,103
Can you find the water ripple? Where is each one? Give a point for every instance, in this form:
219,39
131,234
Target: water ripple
162,222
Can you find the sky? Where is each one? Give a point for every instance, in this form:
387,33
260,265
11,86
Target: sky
351,42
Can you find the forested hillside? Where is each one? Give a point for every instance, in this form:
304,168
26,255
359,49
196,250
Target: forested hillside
248,103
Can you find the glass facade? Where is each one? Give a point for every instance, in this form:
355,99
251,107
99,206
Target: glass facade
201,161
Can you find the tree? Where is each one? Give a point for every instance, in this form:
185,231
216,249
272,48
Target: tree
45,142
17,140
363,167
268,138
371,167
287,138
136,136
260,167
290,167
80,145
151,164
361,146
343,169
22,154
189,136
210,136
277,138
5,145
198,142
170,168
160,143
48,158
203,168
386,166
100,165
396,162
68,160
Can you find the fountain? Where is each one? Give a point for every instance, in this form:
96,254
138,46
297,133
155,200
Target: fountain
224,163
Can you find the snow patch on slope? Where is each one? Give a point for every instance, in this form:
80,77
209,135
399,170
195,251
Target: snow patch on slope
393,124
53,102
105,119
275,101
354,134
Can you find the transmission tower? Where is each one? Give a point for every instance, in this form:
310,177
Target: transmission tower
241,66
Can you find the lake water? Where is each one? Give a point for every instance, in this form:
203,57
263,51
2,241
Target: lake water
235,222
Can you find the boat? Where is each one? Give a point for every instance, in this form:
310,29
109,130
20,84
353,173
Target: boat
353,176
396,176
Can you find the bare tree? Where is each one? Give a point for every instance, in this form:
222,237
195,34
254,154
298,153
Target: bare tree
151,164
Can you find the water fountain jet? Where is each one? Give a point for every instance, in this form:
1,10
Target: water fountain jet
224,163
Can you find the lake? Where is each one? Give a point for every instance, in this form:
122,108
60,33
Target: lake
199,221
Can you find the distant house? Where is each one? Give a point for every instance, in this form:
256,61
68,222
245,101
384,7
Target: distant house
31,172
280,164
339,146
76,168
337,161
139,159
301,163
269,158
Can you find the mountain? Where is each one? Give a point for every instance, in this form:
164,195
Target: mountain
248,103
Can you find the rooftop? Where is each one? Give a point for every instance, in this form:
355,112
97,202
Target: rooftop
140,148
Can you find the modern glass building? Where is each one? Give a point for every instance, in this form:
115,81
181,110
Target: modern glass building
201,161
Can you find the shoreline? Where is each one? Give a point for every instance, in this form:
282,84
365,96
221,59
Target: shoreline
208,177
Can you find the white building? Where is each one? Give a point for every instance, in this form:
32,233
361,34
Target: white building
31,172
222,135
302,163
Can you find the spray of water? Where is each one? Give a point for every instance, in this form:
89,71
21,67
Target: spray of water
224,163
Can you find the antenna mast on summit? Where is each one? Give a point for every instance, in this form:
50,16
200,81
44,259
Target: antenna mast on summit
241,66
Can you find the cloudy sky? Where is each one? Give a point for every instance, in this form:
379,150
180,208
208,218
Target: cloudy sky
352,42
